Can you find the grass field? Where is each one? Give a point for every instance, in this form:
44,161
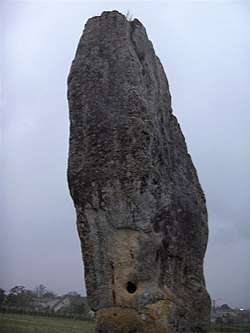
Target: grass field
12,323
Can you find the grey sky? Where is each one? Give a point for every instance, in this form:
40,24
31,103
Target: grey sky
204,48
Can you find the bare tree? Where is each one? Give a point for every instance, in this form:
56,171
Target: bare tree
40,290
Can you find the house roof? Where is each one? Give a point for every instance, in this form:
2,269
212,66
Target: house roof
44,300
73,300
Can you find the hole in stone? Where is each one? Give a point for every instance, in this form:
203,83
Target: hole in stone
115,314
131,287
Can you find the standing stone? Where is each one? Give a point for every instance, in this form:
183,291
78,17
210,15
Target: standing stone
141,212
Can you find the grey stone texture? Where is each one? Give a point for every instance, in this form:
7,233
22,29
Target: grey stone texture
141,212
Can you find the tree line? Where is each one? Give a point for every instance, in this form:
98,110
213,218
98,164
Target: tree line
20,300
20,296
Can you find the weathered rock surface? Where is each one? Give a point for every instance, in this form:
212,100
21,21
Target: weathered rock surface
141,212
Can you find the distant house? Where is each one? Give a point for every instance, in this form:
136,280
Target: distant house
73,303
43,303
70,303
223,313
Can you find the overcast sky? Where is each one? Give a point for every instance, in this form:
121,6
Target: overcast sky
204,48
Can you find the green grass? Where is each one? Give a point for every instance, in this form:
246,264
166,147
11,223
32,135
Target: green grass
13,323
232,328
16,323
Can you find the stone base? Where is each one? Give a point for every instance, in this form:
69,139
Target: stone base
124,320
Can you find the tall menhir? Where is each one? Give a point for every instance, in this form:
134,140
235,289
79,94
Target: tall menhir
141,213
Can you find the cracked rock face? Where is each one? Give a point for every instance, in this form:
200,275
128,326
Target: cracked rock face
141,212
